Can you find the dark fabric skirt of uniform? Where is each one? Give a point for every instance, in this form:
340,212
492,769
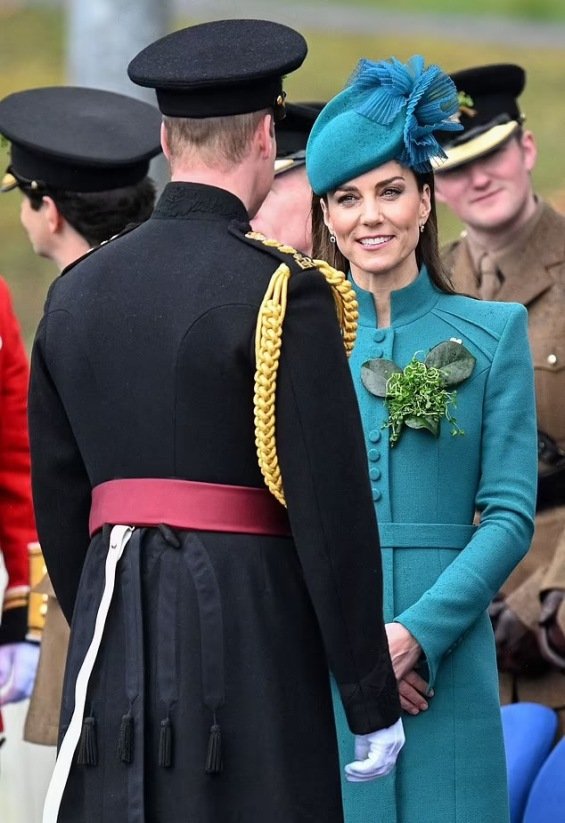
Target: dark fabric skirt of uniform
205,630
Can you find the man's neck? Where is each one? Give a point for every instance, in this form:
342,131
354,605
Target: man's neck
237,180
69,251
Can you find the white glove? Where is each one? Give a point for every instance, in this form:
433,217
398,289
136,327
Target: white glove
18,665
375,753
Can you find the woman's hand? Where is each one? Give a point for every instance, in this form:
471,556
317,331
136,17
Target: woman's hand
413,693
404,649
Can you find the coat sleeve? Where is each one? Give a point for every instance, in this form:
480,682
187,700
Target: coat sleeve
324,472
17,526
505,497
61,487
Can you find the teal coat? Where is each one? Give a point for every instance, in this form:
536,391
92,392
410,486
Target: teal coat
440,572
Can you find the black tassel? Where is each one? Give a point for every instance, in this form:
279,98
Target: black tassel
125,739
88,748
214,764
166,744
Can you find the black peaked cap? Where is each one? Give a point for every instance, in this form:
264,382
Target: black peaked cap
221,68
493,90
489,112
293,132
79,139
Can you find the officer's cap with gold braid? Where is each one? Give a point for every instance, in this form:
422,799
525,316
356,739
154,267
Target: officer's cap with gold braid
77,139
221,68
268,341
489,112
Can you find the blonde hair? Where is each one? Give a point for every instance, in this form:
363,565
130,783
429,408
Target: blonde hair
213,140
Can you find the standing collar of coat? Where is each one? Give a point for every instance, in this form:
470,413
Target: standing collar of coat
197,199
407,304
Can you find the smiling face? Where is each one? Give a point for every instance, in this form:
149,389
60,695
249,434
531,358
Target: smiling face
493,193
376,221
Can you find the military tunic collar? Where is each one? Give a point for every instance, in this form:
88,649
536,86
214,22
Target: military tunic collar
196,199
406,305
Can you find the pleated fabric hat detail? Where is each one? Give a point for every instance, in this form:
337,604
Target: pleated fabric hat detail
388,111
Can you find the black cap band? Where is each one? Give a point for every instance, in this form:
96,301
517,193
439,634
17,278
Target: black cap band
220,101
58,174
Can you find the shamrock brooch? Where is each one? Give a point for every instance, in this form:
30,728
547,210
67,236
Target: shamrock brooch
418,396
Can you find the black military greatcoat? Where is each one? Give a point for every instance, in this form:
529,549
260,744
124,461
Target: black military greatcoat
143,366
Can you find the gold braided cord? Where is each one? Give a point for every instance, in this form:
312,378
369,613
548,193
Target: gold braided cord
268,341
345,301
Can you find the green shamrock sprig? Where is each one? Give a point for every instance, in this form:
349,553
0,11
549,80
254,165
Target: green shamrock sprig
418,396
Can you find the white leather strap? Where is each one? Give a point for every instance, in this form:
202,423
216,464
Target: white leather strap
118,541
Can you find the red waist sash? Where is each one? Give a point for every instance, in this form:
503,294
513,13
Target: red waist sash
186,504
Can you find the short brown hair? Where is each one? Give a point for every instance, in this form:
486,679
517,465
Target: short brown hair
213,139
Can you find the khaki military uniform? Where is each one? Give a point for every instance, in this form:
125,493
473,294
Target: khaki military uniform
534,275
42,719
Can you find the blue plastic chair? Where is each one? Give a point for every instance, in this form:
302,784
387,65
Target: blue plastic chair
529,731
546,801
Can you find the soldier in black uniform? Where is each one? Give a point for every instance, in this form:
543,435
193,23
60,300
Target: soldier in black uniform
204,613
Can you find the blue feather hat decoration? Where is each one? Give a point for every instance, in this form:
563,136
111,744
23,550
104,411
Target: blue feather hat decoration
388,111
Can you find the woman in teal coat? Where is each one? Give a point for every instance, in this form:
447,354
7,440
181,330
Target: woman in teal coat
445,388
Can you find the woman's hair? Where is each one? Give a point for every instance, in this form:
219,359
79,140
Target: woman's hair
212,139
99,215
427,250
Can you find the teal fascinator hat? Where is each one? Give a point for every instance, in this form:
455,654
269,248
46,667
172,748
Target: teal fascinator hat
388,111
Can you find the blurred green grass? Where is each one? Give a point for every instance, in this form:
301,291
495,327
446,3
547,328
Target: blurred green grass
32,53
520,9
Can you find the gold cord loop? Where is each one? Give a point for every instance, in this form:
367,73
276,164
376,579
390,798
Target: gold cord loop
268,341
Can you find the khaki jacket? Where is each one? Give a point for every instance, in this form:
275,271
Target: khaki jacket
534,275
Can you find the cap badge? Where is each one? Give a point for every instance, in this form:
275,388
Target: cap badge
466,104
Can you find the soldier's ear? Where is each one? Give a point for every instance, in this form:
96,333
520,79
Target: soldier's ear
52,216
437,190
529,149
165,142
265,135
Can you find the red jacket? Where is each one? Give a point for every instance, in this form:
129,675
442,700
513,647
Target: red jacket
17,526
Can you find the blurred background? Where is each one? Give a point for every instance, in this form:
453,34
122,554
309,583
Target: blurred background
44,42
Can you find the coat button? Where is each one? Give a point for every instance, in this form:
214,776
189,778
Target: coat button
374,435
552,359
374,455
379,336
374,473
378,352
377,494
